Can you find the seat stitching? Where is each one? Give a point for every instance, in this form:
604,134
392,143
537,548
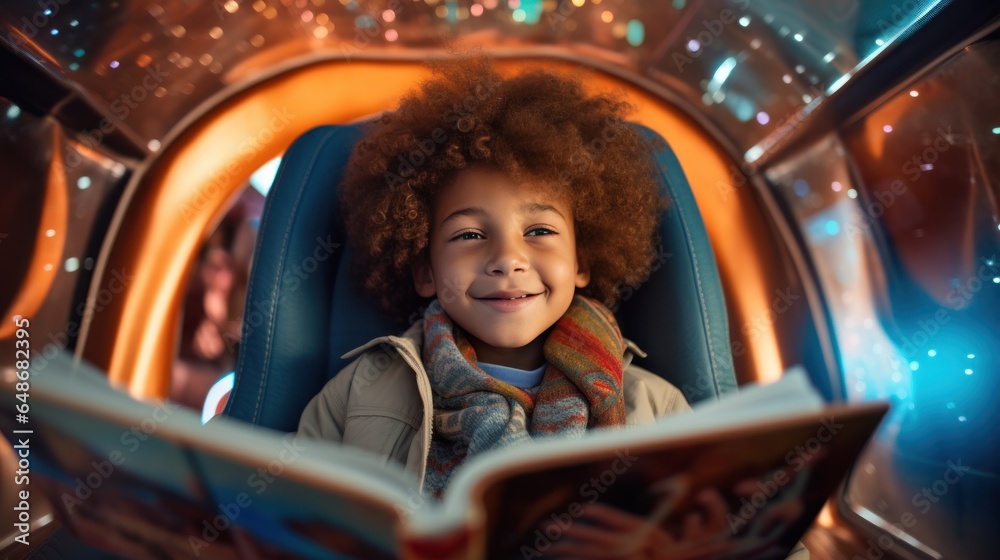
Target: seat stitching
701,294
268,341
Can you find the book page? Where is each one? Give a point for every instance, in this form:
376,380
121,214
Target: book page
757,465
155,479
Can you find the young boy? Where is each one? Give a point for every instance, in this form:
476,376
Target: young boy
515,209
518,207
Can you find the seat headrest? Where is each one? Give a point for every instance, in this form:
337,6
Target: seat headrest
302,312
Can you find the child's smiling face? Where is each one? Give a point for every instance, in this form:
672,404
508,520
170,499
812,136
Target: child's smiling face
503,263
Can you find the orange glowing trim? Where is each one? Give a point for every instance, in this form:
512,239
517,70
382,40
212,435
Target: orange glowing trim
181,197
15,36
46,259
825,518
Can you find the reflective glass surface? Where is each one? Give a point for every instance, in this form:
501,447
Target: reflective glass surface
903,223
56,200
752,68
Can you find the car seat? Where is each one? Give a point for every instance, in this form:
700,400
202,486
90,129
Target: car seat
302,312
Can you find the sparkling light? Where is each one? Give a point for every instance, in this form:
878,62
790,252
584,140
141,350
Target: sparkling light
798,37
391,35
607,16
970,356
786,78
996,130
763,118
932,352
389,15
836,186
476,10
914,93
968,371
693,45
519,15
744,21
887,128
13,112
72,264
83,183
851,193
50,233
914,365
635,32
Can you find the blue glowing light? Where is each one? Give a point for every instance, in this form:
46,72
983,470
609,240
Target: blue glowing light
832,227
932,352
800,187
968,371
970,356
914,365
635,32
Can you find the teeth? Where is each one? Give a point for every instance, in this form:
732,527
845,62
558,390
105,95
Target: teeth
519,297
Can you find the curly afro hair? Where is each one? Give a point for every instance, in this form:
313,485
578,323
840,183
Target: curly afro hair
535,126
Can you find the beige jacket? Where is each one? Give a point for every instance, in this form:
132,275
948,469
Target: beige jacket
382,401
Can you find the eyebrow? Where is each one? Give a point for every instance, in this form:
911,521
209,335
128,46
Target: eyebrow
477,211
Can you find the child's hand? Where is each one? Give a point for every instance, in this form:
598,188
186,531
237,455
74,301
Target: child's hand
607,532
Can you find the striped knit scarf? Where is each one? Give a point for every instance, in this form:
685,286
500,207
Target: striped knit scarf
474,412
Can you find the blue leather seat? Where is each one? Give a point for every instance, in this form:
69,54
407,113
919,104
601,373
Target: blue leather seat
302,313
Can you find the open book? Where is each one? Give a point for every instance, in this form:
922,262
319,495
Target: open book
740,478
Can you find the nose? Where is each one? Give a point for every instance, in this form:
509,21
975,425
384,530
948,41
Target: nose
507,257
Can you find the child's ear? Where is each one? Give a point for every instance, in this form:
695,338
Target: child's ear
582,274
423,277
